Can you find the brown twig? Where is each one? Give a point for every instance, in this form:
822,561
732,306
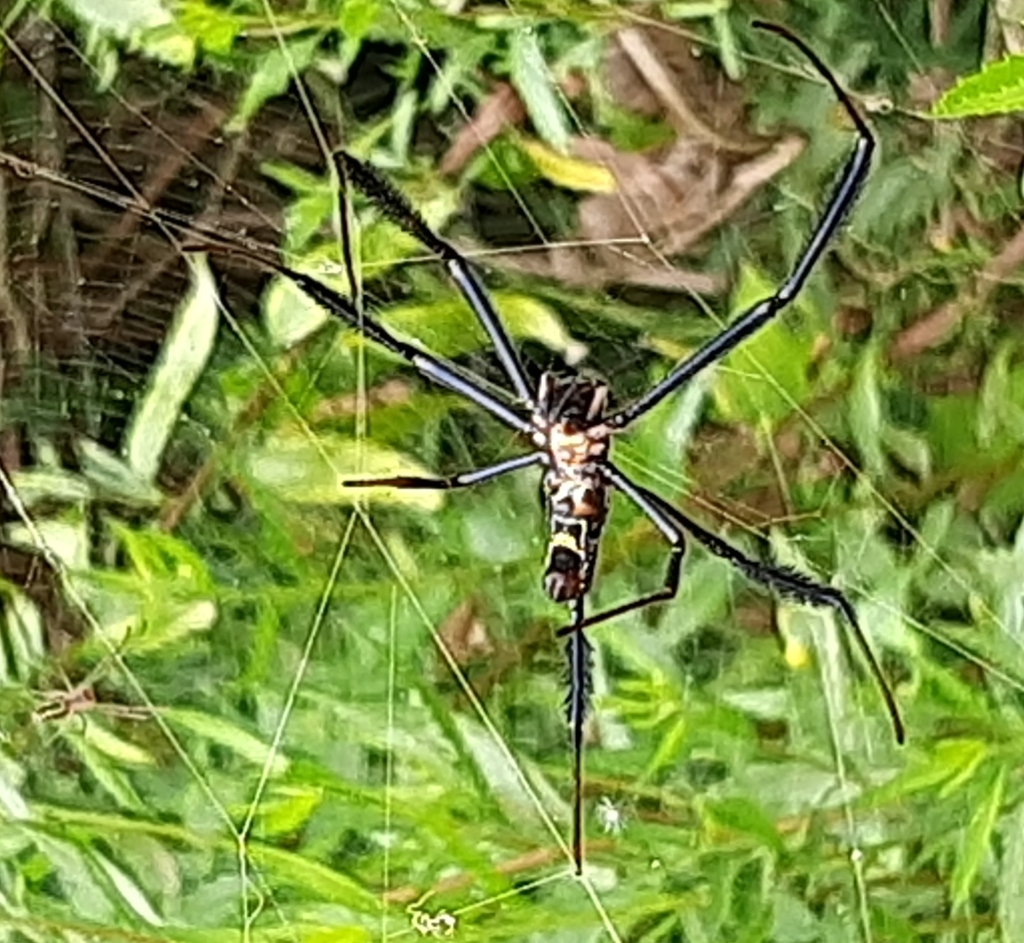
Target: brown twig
936,327
539,858
648,62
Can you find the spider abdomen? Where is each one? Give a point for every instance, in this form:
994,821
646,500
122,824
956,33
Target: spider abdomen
576,501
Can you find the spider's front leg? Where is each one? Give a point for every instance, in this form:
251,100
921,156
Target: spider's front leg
842,198
394,205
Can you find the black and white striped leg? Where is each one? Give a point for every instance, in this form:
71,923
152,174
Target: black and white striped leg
434,368
842,198
786,582
462,480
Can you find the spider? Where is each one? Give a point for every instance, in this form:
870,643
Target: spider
568,423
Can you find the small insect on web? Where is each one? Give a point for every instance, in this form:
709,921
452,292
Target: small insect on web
568,422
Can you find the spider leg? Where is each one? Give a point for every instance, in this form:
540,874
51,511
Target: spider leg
842,198
432,367
786,582
462,480
397,208
579,654
670,530
669,588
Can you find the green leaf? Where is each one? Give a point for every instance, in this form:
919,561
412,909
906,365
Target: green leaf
526,317
109,777
728,47
669,747
297,179
312,877
21,627
12,781
288,809
131,893
113,478
743,815
156,555
950,761
183,358
695,9
977,839
865,413
290,315
272,77
78,885
573,173
121,17
37,485
1011,878
228,735
212,27
997,89
169,44
108,743
536,88
449,327
503,778
1000,404
910,449
357,17
67,540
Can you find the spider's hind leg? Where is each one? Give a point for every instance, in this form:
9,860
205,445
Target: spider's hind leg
784,581
668,590
579,654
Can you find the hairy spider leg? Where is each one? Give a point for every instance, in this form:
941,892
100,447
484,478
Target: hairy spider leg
432,367
789,583
579,656
841,200
401,212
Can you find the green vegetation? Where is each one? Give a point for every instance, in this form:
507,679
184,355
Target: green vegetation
295,717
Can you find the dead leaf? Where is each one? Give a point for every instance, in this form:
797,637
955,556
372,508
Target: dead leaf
501,109
657,72
465,634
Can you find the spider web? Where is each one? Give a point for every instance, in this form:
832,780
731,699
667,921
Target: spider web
254,893
125,355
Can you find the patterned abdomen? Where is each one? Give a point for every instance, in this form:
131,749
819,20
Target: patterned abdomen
576,505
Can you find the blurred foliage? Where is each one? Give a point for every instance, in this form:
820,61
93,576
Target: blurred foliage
238,705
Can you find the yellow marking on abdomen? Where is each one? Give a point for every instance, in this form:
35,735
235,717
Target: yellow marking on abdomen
562,538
